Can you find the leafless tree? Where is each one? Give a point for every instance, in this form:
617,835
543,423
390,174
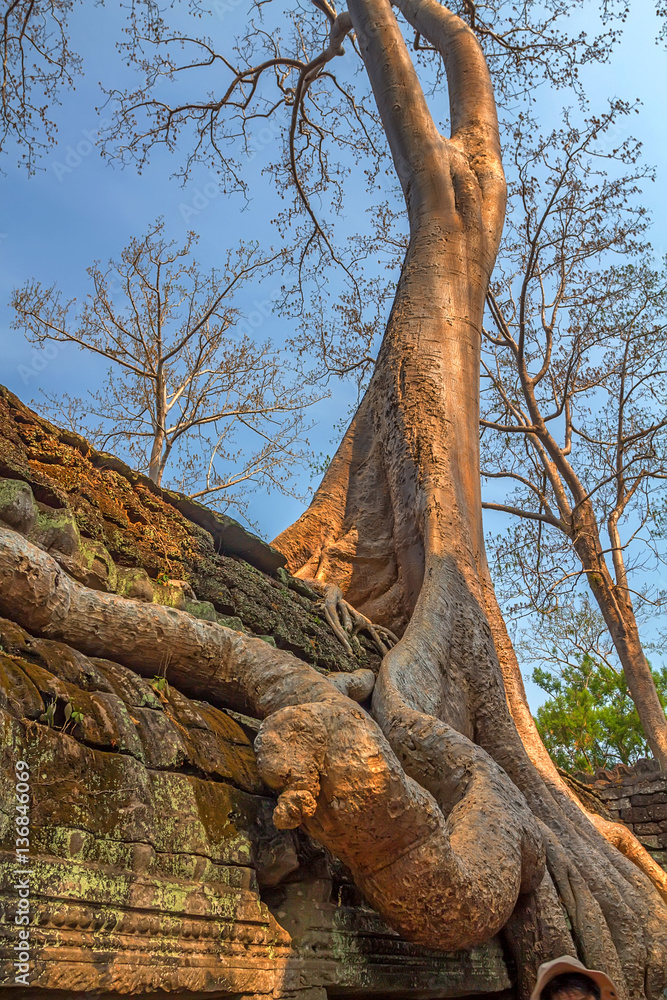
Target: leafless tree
573,631
444,803
575,369
184,379
37,63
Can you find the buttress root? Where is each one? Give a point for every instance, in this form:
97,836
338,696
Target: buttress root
347,623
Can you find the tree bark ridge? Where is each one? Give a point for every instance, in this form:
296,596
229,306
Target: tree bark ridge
335,771
405,483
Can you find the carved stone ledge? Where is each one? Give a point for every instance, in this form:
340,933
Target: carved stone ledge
220,941
95,929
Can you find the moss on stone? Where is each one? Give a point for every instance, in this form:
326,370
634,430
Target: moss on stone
147,538
56,529
17,505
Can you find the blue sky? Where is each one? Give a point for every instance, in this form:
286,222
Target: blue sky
77,208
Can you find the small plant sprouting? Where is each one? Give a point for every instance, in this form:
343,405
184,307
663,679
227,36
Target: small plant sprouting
163,578
73,715
49,716
159,683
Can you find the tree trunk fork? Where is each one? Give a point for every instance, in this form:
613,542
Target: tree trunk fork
397,524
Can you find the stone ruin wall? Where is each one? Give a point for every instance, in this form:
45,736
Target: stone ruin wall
636,796
155,866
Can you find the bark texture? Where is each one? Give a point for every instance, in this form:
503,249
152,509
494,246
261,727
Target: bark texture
396,522
337,774
442,811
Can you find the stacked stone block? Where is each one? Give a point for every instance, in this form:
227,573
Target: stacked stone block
637,796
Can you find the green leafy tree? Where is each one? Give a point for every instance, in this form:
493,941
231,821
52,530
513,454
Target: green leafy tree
589,720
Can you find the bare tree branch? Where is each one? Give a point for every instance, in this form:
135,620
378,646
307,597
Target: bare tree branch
182,381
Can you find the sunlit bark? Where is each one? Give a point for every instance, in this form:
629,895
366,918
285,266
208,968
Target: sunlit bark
443,803
396,522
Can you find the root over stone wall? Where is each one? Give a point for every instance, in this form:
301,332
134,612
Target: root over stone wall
154,862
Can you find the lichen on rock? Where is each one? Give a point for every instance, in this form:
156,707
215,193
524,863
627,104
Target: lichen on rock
114,530
154,858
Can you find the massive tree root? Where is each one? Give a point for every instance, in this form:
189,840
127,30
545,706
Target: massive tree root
443,804
415,863
396,522
336,772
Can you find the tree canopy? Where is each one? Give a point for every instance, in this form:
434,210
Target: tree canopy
589,720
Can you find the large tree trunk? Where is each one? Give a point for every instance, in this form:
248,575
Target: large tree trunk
615,604
435,804
396,522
